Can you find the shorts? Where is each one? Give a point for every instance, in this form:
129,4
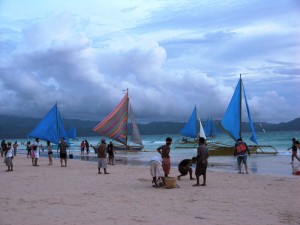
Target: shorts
242,158
156,169
36,154
63,155
102,163
200,169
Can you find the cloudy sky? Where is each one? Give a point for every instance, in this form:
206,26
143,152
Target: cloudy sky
170,54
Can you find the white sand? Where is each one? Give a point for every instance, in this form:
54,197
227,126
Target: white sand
78,195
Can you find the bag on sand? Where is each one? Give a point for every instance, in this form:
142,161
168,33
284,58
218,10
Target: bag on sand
170,182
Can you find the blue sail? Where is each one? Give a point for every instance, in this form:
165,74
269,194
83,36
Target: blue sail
209,129
231,119
72,133
50,128
253,136
190,128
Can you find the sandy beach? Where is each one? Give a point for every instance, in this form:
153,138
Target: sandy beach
78,195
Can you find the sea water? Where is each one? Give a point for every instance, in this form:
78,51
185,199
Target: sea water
278,164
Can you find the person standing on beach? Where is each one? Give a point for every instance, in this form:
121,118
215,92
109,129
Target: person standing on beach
15,147
62,147
3,147
184,167
50,153
36,146
201,166
28,148
294,149
164,151
101,152
9,155
111,153
82,146
87,146
156,170
241,151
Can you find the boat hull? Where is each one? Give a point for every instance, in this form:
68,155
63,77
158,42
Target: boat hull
223,150
128,148
228,150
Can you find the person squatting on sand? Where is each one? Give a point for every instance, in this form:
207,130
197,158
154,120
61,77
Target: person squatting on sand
101,152
201,165
62,147
184,167
241,151
9,155
164,151
156,170
295,143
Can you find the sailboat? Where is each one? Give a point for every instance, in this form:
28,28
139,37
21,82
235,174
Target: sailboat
72,133
192,129
209,129
115,126
232,124
50,127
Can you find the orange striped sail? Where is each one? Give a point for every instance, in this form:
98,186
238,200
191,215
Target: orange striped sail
114,126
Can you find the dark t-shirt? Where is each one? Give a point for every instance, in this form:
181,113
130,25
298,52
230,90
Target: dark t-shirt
110,149
63,147
184,163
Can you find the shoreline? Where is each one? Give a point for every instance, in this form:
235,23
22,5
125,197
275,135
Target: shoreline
78,195
257,164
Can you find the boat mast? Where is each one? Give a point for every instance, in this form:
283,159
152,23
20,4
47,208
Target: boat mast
127,119
57,125
241,84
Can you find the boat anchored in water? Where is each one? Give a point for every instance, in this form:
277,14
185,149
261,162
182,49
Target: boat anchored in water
115,126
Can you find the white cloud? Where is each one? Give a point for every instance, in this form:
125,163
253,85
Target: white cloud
170,58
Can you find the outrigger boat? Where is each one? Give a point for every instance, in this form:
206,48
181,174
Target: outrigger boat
192,129
232,125
115,126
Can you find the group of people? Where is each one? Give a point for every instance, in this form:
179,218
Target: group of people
8,151
160,165
84,145
34,149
